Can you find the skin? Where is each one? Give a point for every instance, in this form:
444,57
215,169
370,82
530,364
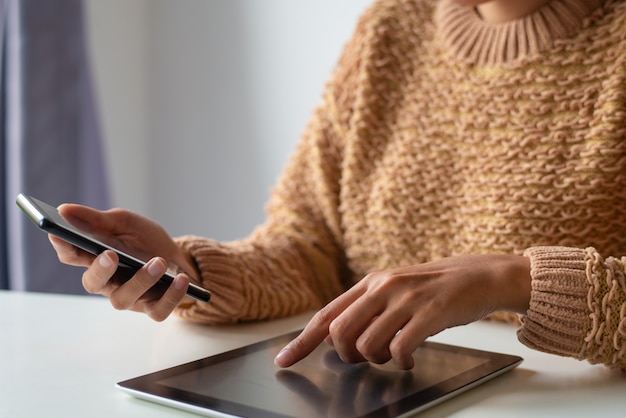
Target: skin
139,236
385,316
499,11
388,314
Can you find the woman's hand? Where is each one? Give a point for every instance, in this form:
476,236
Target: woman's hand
138,236
388,314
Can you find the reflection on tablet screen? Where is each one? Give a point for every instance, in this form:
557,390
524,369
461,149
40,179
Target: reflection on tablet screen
323,385
245,382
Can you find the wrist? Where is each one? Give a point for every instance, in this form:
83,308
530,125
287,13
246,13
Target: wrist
513,283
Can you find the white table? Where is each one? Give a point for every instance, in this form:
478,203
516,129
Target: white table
60,356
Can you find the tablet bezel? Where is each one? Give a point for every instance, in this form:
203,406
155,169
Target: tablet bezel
148,388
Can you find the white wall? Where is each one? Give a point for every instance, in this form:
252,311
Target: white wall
202,101
118,31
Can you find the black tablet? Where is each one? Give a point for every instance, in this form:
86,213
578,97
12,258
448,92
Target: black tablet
245,382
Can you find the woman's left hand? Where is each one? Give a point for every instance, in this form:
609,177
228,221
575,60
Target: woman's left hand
388,314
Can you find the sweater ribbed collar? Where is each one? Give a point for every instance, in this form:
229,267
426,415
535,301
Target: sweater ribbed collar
480,42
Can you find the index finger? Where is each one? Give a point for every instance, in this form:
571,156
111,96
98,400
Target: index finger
69,254
315,331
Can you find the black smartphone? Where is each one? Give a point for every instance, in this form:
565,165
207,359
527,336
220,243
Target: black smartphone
47,218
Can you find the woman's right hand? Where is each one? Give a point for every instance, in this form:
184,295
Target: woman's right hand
138,236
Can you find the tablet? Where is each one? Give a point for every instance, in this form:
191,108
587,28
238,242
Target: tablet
245,382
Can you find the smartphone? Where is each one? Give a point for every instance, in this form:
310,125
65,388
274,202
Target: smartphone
48,219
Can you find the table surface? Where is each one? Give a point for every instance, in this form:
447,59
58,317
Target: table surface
61,355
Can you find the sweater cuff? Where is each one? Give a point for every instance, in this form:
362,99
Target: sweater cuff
214,263
557,320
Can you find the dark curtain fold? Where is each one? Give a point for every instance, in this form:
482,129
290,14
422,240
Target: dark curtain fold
51,141
4,273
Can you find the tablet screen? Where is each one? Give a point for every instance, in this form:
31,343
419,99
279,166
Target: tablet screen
245,382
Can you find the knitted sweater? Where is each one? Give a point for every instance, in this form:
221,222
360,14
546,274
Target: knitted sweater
440,134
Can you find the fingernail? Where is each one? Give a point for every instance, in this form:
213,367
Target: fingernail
180,282
156,267
105,261
284,358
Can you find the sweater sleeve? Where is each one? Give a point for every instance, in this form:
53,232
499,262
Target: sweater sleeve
291,263
295,261
578,305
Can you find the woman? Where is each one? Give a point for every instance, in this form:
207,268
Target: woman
468,159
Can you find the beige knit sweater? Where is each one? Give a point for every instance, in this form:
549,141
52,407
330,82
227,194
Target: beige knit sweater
440,134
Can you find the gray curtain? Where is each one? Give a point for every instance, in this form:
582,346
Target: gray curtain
4,276
51,147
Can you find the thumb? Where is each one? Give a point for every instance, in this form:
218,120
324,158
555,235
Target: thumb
89,220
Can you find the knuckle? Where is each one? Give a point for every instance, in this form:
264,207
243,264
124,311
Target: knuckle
162,312
322,317
68,256
88,284
398,351
118,302
390,277
345,345
365,346
382,281
402,354
339,326
168,300
63,257
158,315
374,354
